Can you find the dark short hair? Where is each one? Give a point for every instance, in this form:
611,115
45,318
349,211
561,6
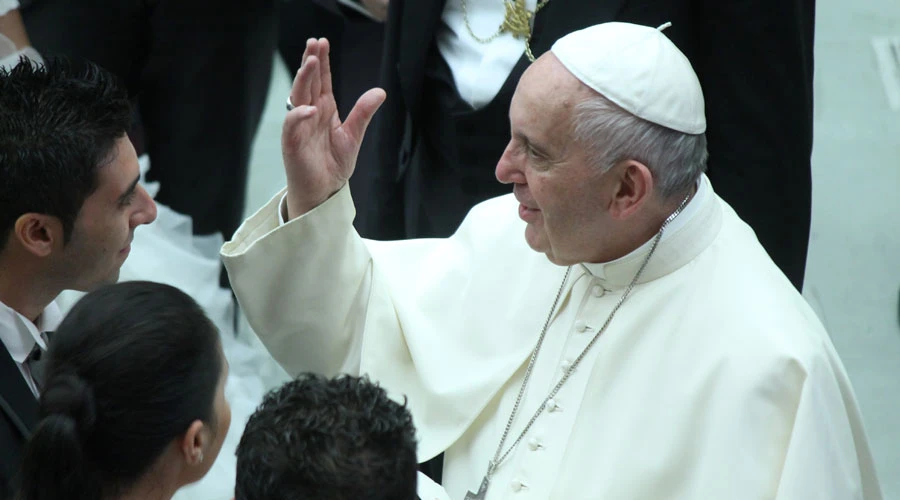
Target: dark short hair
129,369
58,126
328,439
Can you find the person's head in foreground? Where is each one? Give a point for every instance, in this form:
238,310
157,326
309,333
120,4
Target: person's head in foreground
71,199
607,141
317,438
134,403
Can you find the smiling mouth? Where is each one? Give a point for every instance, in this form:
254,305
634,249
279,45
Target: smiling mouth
528,214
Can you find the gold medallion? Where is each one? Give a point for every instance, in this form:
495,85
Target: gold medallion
517,20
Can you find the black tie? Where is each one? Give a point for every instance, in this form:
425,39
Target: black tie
36,364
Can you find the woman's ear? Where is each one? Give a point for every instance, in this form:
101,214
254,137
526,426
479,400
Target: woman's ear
193,442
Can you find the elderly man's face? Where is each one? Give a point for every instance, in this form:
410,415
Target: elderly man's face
562,198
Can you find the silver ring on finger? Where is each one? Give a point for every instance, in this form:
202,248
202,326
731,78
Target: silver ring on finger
289,104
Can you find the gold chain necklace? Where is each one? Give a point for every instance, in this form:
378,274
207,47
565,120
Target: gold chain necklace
516,21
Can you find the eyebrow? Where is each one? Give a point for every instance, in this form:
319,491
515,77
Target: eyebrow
128,192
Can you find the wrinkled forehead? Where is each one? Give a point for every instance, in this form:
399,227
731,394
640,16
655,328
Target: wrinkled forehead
547,93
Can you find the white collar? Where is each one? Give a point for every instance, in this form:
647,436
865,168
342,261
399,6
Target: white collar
19,334
686,236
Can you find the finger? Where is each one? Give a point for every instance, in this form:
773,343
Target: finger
315,85
361,115
301,92
326,65
310,47
290,130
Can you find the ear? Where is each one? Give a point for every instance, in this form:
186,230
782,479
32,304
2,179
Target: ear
39,234
635,184
193,442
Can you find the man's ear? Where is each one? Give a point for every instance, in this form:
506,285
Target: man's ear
193,441
634,187
39,234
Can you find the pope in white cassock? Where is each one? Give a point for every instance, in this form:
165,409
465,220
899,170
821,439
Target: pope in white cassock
637,343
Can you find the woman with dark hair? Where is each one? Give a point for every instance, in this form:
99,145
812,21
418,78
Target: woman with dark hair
133,403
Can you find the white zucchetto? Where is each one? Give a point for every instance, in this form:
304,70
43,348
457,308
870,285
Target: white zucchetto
639,69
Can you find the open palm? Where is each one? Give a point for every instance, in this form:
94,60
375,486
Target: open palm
319,150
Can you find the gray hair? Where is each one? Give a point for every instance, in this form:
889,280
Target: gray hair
612,135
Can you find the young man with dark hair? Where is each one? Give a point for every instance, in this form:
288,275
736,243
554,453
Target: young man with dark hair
69,204
334,439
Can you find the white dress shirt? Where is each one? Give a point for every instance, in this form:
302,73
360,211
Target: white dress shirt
479,69
19,335
8,5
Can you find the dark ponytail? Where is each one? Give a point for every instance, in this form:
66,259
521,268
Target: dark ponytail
56,464
128,371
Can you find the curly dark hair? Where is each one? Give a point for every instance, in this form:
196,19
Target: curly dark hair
58,126
317,438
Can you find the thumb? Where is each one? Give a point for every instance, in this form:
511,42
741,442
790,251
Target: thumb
361,115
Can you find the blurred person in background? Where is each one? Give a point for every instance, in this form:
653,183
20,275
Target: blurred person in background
450,68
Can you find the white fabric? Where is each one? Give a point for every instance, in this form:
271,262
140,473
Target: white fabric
639,69
8,5
429,490
19,335
715,380
167,252
478,69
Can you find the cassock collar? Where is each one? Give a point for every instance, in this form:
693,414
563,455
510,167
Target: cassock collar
684,238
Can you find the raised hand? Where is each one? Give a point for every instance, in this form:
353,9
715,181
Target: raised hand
319,150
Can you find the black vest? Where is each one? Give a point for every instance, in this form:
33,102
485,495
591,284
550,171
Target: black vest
455,149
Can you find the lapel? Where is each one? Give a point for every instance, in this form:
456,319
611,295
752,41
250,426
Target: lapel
16,400
419,20
561,17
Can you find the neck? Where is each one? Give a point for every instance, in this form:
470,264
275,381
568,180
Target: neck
159,485
23,289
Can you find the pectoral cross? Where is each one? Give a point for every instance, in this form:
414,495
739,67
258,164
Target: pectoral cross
517,20
482,491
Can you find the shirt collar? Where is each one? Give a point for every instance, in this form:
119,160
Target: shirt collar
683,239
19,334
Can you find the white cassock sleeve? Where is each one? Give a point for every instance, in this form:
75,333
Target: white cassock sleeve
270,283
827,423
411,314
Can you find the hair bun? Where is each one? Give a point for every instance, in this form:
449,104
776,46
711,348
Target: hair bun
69,395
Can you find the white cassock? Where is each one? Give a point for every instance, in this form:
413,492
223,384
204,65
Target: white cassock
714,380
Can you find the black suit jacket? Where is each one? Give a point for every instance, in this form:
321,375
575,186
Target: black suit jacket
18,415
754,60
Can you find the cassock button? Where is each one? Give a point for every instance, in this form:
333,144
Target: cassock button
581,326
534,444
598,291
551,405
518,485
566,366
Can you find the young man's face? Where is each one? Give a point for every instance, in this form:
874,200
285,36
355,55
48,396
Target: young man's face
102,233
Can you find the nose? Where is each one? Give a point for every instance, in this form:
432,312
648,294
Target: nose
147,211
508,171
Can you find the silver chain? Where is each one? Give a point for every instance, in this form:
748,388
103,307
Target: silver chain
498,458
